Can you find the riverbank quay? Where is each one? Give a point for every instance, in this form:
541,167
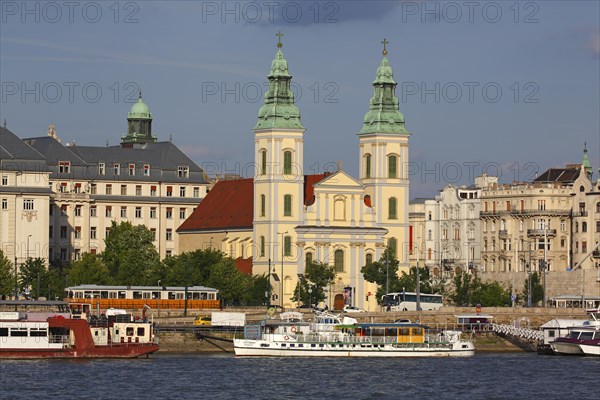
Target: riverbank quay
177,334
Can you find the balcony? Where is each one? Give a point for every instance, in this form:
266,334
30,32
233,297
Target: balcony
503,233
539,233
580,213
528,212
596,254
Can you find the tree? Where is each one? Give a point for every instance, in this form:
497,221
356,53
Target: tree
384,273
33,277
317,277
465,285
229,280
88,270
7,277
537,292
408,282
130,255
469,291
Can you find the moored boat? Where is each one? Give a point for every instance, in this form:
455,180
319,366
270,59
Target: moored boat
582,339
47,329
332,336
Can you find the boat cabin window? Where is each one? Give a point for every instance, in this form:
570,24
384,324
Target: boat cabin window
129,331
18,331
417,331
34,332
574,335
3,332
586,336
404,331
141,331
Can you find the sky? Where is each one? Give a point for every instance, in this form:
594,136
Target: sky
502,87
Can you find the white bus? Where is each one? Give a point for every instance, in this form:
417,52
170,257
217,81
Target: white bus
407,301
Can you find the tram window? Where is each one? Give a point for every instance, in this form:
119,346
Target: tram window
141,331
112,295
122,295
104,294
137,295
3,331
156,295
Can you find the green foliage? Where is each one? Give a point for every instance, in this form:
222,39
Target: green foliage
385,274
33,278
469,290
7,276
537,289
408,282
317,277
88,270
130,255
232,284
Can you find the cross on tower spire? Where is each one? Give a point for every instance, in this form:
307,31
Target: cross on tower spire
279,34
384,42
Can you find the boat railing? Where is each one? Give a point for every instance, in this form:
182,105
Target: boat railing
63,339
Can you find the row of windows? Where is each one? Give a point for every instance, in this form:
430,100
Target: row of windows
123,212
287,207
338,255
183,171
287,162
94,232
63,254
392,166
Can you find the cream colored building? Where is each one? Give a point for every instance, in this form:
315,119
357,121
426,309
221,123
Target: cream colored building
141,181
416,217
294,218
527,224
25,200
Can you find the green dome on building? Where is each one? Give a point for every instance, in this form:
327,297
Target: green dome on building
139,109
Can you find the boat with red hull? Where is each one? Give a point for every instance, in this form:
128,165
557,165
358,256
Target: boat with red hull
61,334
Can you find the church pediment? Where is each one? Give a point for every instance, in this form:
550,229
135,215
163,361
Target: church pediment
340,181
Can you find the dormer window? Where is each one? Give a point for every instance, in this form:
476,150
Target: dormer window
183,172
146,169
116,169
131,169
101,169
64,167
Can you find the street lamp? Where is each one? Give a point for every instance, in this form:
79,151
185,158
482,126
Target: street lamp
282,253
269,285
310,295
27,255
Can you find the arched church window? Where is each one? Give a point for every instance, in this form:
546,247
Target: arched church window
309,258
392,208
338,261
287,205
263,162
369,259
287,162
392,166
367,166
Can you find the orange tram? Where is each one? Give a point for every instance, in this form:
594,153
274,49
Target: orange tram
137,297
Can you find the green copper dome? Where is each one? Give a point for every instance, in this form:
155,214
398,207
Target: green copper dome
139,110
279,110
384,115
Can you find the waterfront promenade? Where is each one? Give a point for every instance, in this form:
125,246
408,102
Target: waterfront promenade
176,335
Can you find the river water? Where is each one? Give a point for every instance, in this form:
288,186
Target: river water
223,376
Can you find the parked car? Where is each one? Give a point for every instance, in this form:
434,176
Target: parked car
352,309
201,320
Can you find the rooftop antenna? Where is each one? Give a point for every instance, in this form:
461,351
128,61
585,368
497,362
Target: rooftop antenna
5,122
170,137
107,143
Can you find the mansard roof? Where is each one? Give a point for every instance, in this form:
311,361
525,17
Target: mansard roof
566,175
16,155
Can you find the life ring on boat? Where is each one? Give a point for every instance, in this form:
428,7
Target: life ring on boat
286,337
293,329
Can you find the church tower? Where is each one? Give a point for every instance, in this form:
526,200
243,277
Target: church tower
139,125
383,143
278,183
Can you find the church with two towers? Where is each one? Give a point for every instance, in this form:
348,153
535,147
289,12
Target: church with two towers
281,219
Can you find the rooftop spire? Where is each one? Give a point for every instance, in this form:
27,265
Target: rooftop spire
384,115
384,42
279,110
586,161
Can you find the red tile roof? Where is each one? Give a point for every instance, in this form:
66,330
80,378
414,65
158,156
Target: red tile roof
230,204
244,265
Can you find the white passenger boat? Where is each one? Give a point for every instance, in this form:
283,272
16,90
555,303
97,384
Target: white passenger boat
583,339
332,336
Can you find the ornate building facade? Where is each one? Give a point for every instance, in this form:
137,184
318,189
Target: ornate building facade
331,217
